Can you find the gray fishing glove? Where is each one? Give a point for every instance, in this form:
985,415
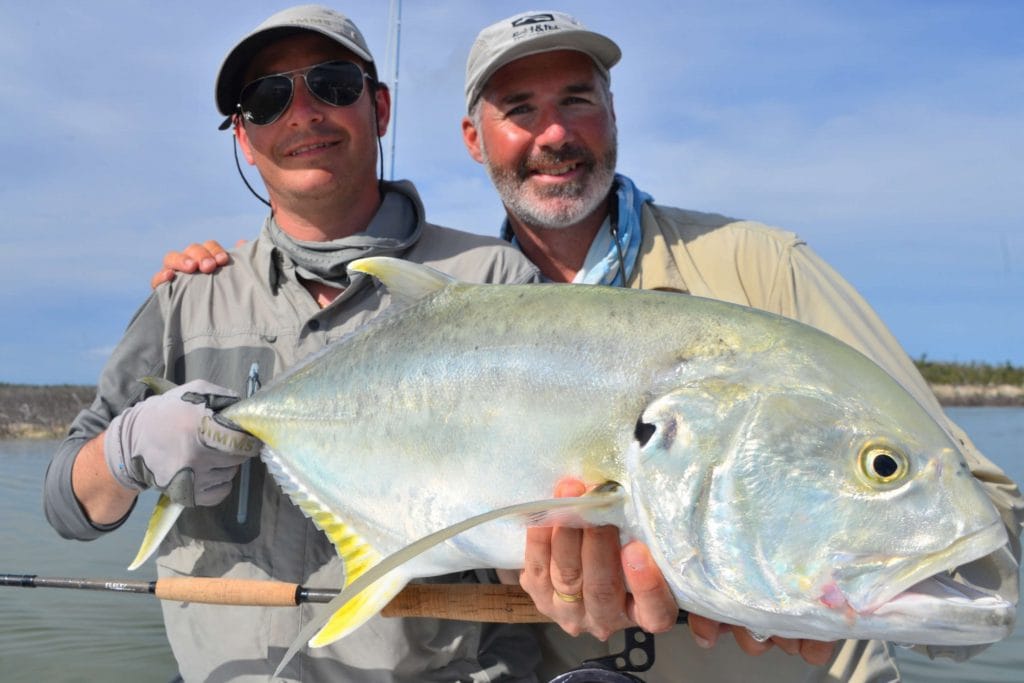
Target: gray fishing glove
174,442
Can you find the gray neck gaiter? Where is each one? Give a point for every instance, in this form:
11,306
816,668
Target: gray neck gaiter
394,228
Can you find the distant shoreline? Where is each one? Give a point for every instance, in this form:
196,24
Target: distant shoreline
951,395
45,411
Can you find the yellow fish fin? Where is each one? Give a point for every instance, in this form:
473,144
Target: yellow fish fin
165,514
359,557
356,611
384,579
406,281
350,609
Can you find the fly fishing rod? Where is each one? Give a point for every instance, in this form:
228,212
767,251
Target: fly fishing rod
497,603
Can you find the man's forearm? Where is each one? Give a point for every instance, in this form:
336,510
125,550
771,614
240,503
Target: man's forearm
104,500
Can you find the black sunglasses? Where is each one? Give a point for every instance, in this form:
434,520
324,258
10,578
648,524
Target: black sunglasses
338,83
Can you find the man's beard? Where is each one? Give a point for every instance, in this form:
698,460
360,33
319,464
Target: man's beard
555,206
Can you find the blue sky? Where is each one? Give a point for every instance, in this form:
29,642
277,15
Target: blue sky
890,135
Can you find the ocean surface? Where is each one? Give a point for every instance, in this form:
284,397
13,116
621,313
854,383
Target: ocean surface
57,636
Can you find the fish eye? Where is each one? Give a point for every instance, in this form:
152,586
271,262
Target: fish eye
881,463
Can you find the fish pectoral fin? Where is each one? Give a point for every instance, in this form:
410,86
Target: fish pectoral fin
165,514
370,589
600,506
406,281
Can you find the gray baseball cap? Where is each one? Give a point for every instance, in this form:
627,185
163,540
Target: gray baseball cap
530,33
315,18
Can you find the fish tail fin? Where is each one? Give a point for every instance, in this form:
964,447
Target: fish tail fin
165,514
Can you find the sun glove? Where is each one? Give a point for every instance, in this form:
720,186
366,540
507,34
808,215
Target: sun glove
174,442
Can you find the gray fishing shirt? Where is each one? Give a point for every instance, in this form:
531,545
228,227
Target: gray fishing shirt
217,327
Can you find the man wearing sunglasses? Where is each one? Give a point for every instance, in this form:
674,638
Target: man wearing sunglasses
306,109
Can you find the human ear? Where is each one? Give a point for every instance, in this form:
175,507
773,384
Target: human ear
471,138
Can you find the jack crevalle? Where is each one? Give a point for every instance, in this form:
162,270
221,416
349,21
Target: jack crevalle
782,480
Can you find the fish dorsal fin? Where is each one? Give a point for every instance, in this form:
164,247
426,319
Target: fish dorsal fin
406,281
598,504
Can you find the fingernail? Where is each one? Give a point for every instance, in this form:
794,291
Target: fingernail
189,263
702,643
634,557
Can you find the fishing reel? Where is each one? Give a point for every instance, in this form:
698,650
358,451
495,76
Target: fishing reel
637,656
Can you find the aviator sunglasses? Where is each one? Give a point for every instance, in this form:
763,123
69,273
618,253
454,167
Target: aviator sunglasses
338,83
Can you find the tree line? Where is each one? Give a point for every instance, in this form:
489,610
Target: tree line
973,373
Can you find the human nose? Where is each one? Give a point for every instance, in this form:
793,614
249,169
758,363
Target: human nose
553,129
304,106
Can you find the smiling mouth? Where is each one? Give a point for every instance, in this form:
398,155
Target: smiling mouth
557,170
298,151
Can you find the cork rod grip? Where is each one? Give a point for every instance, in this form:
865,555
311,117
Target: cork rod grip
495,603
227,591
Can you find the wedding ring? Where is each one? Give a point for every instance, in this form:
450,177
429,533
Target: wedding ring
566,597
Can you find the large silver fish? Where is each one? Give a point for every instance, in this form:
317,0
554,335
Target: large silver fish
782,480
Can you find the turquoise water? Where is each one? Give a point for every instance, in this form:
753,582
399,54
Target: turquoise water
62,636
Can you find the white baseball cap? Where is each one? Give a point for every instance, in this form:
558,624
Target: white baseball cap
530,33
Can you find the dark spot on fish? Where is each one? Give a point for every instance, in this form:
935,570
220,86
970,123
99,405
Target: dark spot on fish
643,431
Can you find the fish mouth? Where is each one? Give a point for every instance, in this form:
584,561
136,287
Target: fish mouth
943,588
871,585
